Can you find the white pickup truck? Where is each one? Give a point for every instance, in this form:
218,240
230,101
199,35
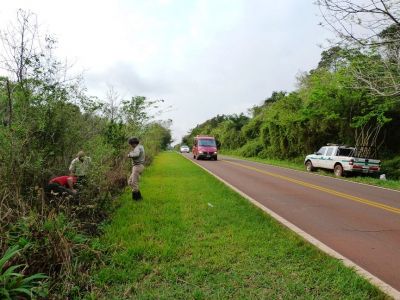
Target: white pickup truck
341,159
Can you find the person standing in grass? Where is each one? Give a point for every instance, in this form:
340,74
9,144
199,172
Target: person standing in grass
80,166
138,156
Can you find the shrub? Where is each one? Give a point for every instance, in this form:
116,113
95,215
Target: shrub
251,149
44,121
392,168
14,285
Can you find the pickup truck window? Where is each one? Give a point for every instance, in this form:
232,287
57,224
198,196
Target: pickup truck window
329,152
321,151
345,152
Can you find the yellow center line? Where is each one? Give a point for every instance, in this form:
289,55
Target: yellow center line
323,189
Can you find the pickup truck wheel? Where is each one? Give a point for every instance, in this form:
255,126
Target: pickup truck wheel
309,166
338,170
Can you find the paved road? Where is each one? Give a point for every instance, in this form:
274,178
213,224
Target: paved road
360,222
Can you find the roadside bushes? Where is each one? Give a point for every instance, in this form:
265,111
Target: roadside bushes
227,129
250,149
392,168
58,230
45,119
39,141
155,138
251,130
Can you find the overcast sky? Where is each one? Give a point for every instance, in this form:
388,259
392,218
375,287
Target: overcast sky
203,57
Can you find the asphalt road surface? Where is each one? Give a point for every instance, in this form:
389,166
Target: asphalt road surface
358,221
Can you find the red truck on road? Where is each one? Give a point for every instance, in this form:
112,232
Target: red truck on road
204,147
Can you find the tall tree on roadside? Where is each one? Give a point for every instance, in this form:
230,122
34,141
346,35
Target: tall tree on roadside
137,111
373,27
370,31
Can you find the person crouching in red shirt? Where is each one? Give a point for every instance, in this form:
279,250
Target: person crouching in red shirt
60,185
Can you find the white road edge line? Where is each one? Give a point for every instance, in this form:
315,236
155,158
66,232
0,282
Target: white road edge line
388,289
313,174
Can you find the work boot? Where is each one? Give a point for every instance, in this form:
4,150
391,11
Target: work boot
136,196
139,195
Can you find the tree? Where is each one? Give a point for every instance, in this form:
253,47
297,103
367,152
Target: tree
333,59
275,96
136,112
20,45
361,21
111,107
373,27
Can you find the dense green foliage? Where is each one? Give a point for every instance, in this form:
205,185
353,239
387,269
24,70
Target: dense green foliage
15,285
329,106
45,119
200,240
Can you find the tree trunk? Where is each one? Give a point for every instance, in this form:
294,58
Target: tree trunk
10,107
366,140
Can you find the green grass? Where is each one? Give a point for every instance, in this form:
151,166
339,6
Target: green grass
194,238
298,165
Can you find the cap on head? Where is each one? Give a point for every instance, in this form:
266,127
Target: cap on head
133,141
81,154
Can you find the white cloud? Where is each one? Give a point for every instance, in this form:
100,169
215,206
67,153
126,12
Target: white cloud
204,57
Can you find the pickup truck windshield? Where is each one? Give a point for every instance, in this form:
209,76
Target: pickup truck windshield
207,143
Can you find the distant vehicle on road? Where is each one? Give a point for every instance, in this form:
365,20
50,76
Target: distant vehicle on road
341,159
204,147
185,149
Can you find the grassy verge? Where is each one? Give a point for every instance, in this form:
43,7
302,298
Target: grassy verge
298,165
291,164
193,238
